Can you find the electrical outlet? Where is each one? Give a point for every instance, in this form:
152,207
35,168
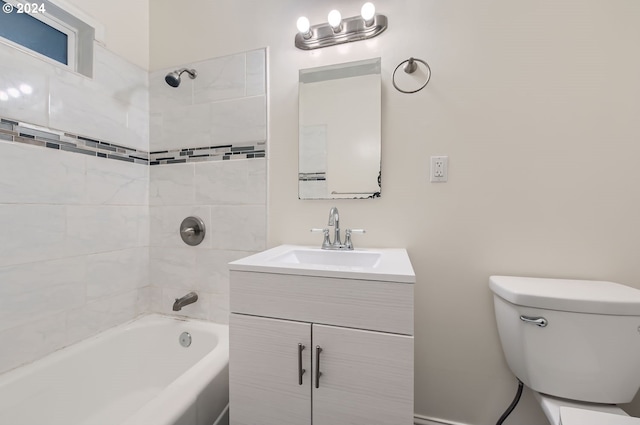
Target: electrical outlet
439,168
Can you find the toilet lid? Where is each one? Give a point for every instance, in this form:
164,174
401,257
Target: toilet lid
573,416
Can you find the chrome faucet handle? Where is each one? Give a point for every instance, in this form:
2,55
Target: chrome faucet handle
326,243
347,239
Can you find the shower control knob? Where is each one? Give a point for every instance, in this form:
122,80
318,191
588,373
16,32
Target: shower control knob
192,231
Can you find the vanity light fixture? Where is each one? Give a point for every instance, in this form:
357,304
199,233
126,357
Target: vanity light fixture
338,30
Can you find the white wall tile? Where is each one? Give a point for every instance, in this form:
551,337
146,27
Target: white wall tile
82,106
20,68
185,126
34,290
219,308
219,78
233,87
93,229
116,272
31,233
32,174
172,267
239,227
172,184
100,315
137,135
111,182
256,73
144,296
75,229
212,270
239,121
231,182
29,342
129,83
155,300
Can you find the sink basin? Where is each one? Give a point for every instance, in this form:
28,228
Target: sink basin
366,264
357,259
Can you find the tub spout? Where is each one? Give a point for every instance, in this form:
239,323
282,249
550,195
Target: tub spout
190,298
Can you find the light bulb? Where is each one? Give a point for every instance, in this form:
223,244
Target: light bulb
3,96
335,20
368,12
303,25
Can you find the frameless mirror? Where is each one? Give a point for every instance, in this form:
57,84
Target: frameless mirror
339,139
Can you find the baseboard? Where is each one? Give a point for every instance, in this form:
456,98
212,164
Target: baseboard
423,420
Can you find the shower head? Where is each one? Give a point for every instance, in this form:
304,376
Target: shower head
173,78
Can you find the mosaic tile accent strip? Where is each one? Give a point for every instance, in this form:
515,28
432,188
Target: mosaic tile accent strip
208,153
21,132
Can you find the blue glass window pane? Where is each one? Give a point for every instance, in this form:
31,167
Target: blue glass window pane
24,29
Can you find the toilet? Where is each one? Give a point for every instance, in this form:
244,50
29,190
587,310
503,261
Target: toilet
574,343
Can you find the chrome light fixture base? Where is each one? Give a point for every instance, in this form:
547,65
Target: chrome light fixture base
353,29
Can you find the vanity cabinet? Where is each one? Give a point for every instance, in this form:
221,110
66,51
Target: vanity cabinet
357,334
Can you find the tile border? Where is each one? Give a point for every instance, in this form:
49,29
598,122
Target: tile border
36,135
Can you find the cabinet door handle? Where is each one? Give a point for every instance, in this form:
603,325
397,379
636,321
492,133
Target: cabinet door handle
318,373
300,369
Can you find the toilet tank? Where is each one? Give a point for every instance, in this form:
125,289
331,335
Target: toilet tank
573,339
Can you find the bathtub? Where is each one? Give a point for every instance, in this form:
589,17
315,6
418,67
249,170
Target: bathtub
135,374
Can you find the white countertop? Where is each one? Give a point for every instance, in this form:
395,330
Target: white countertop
391,264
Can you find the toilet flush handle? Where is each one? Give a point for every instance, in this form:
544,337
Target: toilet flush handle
538,321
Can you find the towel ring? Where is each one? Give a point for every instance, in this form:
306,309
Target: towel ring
410,68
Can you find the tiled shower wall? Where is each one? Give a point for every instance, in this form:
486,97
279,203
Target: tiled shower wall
224,106
73,228
75,254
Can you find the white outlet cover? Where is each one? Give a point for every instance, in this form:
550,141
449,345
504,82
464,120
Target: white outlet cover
439,169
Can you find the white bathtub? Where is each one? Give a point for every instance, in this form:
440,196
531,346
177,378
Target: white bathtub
134,374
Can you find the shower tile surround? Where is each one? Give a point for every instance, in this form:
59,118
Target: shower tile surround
94,240
220,117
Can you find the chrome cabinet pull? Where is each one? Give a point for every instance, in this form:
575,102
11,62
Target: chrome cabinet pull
318,373
301,371
538,321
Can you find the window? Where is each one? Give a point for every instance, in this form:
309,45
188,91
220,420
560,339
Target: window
39,33
51,33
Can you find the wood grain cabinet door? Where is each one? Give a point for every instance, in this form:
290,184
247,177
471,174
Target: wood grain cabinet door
366,377
264,378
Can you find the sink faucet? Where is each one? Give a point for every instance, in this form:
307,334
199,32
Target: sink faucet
334,220
190,298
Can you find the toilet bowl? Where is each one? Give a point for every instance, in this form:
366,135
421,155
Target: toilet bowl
575,343
565,412
573,416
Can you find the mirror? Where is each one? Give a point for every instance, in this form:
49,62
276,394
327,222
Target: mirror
339,139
